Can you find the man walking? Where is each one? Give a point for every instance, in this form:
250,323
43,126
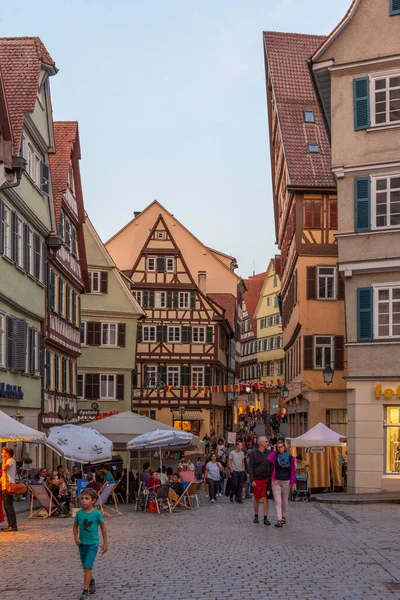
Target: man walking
237,469
9,469
260,475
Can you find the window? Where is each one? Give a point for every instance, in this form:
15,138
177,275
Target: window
312,214
326,283
83,329
150,379
263,323
74,248
269,301
71,179
149,333
173,376
322,351
2,340
80,385
137,296
314,148
277,319
309,116
170,265
268,369
107,387
184,300
6,225
198,376
392,435
280,367
336,416
19,258
333,215
385,96
174,334
94,279
33,160
160,235
387,309
198,335
160,300
151,264
386,208
109,334
29,250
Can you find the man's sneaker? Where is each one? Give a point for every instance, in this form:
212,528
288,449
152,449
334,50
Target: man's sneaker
9,529
255,520
266,522
231,498
213,501
84,595
92,586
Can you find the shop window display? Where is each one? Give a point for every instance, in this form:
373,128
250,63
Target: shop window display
392,427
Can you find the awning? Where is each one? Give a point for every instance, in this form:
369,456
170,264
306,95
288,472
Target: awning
189,415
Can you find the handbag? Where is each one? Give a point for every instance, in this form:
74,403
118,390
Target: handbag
16,488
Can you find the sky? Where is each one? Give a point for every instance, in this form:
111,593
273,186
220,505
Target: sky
170,99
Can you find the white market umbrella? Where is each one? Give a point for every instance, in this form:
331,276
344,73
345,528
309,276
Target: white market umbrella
162,438
79,444
124,426
12,430
318,436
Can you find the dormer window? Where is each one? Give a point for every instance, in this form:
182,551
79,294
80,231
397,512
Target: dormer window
309,116
160,235
313,148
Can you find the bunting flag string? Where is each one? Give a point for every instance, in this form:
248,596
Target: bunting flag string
236,387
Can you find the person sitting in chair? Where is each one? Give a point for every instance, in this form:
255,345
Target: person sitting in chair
54,484
153,484
93,484
177,488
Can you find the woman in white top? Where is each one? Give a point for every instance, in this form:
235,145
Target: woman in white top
212,477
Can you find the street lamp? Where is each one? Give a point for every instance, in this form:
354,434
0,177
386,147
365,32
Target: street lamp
328,374
181,410
284,392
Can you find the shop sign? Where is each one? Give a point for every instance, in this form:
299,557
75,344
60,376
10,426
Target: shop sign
313,450
87,413
388,392
11,391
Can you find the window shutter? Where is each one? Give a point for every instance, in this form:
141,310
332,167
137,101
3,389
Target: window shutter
308,352
311,283
90,333
340,287
1,226
162,374
96,386
365,314
139,334
276,301
151,298
134,379
19,347
44,178
339,352
63,374
36,250
52,290
121,335
71,377
44,263
333,215
362,204
26,248
74,307
104,282
68,301
48,370
209,335
145,299
40,352
32,350
186,336
169,299
394,7
176,299
73,238
165,333
10,341
120,386
361,103
186,375
57,372
60,296
159,333
207,376
193,300
89,386
160,266
96,334
61,227
82,330
14,236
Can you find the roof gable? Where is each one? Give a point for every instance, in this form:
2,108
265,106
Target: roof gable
323,46
264,288
251,297
65,139
22,60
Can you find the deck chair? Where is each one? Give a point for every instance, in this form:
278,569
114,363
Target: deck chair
105,493
183,501
163,498
193,491
48,504
142,497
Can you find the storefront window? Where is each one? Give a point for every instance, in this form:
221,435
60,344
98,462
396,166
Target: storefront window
392,427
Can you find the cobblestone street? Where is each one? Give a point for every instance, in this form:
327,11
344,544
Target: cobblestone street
325,552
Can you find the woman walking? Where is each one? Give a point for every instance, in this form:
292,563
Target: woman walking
212,477
283,476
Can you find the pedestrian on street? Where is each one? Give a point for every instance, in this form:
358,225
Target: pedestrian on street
86,535
283,477
260,476
9,469
212,477
237,468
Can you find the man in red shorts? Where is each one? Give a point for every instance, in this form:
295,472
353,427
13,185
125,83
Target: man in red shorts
260,476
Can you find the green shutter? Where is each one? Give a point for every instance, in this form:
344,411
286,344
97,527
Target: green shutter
165,333
61,227
60,296
68,301
209,335
361,103
57,373
186,336
207,376
74,307
139,333
160,264
64,374
365,332
362,204
151,298
193,300
186,375
159,335
145,298
176,299
162,374
48,370
276,305
394,7
169,299
71,377
67,235
52,289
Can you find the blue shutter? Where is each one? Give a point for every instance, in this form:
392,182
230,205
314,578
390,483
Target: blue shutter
361,103
394,7
365,321
362,204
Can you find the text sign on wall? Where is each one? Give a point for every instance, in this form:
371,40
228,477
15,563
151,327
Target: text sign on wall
387,392
11,391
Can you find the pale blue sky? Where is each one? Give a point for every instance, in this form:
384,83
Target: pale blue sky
170,99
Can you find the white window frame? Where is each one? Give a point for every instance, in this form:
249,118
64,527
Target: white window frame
20,241
169,268
160,300
29,243
374,181
152,375
269,301
2,339
173,374
377,288
324,345
199,332
91,281
372,88
326,277
151,333
84,323
196,372
83,385
160,235
7,230
33,159
174,334
106,328
108,377
137,294
184,300
151,264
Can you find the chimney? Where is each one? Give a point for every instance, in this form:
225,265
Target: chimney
202,281
136,213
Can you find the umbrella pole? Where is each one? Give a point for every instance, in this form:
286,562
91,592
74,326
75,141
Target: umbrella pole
128,471
160,461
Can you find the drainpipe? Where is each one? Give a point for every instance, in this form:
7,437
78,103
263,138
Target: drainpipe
18,166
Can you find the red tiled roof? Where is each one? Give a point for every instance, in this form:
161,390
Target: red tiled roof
252,295
287,55
227,302
65,135
21,60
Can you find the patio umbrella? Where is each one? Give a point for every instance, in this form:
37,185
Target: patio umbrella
12,430
79,444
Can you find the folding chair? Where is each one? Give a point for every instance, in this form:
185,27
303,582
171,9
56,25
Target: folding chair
106,492
163,498
193,491
181,501
48,504
142,497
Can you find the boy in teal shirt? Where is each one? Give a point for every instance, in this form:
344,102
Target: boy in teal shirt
86,534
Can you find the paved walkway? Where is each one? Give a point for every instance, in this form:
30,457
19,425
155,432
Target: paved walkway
324,553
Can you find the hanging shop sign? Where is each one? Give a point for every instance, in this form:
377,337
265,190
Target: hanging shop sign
386,392
11,391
